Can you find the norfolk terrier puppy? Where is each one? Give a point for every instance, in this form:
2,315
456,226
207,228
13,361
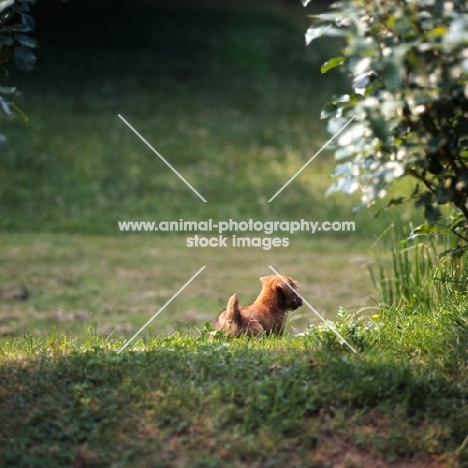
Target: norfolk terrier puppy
267,313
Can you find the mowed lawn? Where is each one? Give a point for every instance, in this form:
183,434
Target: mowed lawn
116,283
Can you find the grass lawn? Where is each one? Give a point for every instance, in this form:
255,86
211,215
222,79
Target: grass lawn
182,401
185,398
119,282
231,97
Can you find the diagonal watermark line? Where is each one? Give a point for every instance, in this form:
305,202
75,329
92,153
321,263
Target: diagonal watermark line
161,309
312,158
327,323
161,157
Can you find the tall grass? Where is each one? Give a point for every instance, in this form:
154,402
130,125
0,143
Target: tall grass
421,308
418,271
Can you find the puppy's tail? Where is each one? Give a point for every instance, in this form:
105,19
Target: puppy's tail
232,308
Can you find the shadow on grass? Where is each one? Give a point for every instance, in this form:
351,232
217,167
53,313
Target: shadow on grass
179,399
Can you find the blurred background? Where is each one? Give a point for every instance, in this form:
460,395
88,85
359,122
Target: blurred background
228,92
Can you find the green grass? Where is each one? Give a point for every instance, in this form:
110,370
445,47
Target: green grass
179,401
118,283
202,400
418,271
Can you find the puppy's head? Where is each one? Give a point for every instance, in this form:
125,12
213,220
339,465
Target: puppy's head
285,290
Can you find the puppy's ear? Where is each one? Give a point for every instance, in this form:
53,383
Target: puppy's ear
283,287
232,309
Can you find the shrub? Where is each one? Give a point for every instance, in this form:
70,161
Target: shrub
408,66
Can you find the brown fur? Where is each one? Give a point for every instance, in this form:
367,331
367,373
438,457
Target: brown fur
265,315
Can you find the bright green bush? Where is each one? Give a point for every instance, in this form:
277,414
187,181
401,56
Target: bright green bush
408,66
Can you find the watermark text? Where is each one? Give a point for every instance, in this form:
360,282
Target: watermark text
220,227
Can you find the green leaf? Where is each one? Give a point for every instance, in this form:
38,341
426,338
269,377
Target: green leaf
462,180
444,191
28,21
458,32
363,80
25,40
5,107
6,40
20,112
431,213
408,68
392,71
24,58
425,199
7,90
329,110
397,201
380,127
314,32
5,4
345,152
444,195
332,63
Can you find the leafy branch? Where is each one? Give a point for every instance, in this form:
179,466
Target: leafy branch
15,24
408,67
